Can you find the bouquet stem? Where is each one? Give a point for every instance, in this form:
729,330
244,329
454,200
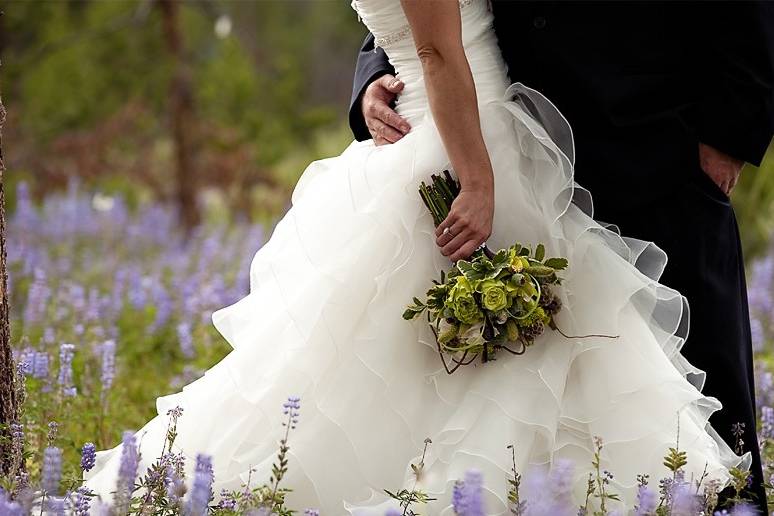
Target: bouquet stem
438,196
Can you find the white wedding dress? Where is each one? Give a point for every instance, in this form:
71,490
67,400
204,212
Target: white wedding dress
323,321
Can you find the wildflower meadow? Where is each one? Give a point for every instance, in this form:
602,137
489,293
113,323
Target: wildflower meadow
111,308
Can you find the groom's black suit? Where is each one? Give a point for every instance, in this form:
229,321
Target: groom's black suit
641,85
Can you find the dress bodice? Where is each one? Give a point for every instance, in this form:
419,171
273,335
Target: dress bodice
387,22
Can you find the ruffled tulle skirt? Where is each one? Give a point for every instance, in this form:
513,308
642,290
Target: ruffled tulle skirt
323,321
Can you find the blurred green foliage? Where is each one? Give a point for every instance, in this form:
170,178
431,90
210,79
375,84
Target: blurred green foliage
86,84
753,200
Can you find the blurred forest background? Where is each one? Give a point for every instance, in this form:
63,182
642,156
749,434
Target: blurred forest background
215,105
109,91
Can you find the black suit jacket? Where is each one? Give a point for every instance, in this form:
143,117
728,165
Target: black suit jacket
641,83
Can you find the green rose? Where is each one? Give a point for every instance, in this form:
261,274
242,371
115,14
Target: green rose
462,302
493,295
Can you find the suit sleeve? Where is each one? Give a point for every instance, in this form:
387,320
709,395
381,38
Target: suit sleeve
370,66
736,113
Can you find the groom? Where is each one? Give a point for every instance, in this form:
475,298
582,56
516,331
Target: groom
667,102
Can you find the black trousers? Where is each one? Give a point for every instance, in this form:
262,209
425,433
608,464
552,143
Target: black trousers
696,226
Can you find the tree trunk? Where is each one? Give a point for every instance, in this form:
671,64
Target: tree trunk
9,406
181,113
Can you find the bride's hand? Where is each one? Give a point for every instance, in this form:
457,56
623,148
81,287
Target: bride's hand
469,223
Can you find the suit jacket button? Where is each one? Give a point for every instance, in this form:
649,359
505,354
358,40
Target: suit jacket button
539,22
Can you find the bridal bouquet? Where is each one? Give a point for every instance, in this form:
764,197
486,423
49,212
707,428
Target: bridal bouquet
491,302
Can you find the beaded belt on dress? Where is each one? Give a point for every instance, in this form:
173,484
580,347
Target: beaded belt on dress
386,40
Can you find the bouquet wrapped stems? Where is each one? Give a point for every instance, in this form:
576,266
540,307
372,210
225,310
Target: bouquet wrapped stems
439,196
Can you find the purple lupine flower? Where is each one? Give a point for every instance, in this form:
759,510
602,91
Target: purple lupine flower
291,409
758,335
744,509
25,216
227,501
52,470
759,292
647,501
88,456
174,483
127,471
137,295
55,506
26,361
175,413
77,299
185,339
176,461
11,508
129,459
764,386
538,489
469,501
767,422
201,490
117,297
7,506
164,306
81,500
49,336
37,298
108,372
458,497
40,365
93,306
65,378
311,512
684,500
560,481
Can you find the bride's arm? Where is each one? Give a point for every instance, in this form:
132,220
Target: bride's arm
437,30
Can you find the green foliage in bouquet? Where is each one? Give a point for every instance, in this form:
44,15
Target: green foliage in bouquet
491,302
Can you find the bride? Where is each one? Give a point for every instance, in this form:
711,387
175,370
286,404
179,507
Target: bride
323,317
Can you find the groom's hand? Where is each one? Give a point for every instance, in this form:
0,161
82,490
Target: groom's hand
720,167
384,124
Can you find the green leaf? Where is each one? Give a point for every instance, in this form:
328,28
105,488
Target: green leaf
540,270
500,257
464,266
412,313
675,459
557,263
540,252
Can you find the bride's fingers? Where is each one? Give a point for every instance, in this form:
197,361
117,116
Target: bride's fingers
450,219
464,251
455,243
446,236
